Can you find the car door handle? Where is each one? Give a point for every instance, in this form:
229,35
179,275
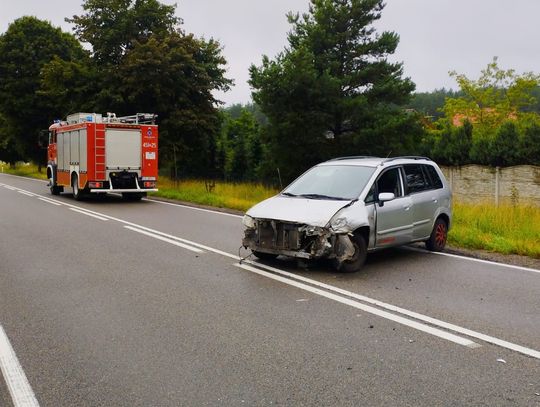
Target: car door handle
435,200
406,207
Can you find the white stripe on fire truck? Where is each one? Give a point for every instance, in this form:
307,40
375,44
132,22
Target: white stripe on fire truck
164,239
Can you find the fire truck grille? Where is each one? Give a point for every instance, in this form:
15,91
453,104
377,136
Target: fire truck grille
124,180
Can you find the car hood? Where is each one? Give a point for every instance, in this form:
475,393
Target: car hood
313,212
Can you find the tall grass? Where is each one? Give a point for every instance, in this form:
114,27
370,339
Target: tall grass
24,170
504,229
239,196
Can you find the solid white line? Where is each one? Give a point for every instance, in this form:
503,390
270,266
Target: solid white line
25,193
366,308
457,256
88,214
164,239
17,383
433,321
193,208
50,201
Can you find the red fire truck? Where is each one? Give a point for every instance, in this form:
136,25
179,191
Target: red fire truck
91,153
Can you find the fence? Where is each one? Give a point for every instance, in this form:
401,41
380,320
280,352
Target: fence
510,185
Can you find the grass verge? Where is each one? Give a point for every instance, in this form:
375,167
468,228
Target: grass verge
24,170
505,229
239,196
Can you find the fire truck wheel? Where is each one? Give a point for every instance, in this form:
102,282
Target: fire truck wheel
55,189
77,193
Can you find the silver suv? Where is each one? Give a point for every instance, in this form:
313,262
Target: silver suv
343,208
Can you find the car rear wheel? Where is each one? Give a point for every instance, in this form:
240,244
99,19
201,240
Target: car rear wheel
359,258
439,235
77,193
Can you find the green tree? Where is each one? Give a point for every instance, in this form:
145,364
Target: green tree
26,47
496,96
332,91
529,147
147,63
240,146
112,27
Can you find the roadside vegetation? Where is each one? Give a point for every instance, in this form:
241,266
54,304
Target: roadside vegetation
238,196
507,229
23,169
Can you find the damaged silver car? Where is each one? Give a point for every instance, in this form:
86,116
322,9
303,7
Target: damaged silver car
344,208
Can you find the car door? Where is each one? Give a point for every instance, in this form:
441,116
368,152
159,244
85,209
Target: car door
424,200
393,224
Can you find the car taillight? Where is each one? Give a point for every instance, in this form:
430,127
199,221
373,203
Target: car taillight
95,184
149,184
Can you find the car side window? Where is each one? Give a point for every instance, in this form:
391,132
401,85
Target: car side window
390,181
435,180
416,181
370,197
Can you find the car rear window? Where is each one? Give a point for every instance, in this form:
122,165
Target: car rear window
434,179
416,181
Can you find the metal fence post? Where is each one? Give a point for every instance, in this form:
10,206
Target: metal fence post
497,178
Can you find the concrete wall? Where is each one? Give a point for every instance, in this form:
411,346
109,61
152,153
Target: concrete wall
511,185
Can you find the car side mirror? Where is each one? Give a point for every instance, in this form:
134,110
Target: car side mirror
385,197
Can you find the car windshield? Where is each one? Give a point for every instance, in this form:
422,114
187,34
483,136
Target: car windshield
343,182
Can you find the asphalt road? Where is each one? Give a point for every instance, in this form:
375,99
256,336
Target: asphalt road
112,303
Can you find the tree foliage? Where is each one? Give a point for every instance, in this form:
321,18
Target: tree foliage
27,47
145,62
332,91
493,98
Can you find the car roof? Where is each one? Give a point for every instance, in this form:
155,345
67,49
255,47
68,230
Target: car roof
366,161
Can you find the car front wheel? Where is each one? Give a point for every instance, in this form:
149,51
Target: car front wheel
358,259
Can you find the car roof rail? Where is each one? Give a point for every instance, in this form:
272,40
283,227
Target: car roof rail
352,157
406,157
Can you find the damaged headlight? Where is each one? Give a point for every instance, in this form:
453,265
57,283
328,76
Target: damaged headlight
338,223
248,222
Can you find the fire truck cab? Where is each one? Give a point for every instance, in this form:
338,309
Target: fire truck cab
93,154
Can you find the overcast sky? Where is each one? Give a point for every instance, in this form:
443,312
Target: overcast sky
436,35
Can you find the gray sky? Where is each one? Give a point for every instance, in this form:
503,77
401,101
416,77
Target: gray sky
436,35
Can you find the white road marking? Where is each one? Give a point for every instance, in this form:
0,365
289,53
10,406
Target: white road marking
492,263
89,214
16,381
433,321
366,308
50,201
20,191
164,239
10,187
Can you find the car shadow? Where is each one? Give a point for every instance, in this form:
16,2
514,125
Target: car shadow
376,263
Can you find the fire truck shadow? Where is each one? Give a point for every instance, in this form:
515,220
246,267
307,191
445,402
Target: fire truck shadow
111,198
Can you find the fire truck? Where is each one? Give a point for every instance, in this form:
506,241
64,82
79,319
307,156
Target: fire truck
95,154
